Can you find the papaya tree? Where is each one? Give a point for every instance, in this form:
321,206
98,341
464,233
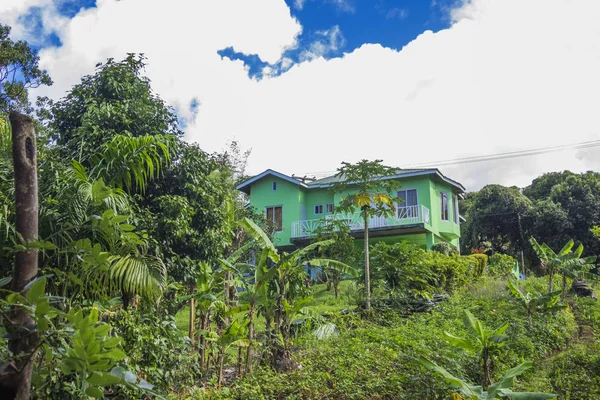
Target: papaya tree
364,187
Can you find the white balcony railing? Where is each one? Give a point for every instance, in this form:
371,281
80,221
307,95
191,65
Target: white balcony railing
404,216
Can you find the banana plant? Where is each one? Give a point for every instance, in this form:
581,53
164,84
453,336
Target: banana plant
568,262
232,336
536,302
285,266
485,342
498,390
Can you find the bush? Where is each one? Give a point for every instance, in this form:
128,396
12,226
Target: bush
501,265
481,261
443,247
156,349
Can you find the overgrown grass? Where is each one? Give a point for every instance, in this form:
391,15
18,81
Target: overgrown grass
369,361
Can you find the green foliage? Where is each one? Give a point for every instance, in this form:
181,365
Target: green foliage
372,361
480,261
404,268
485,342
443,247
156,349
498,390
536,302
500,265
566,261
19,72
493,215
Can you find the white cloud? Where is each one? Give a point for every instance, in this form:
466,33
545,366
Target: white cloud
397,13
507,75
341,5
329,41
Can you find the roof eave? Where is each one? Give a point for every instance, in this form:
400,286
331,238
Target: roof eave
245,186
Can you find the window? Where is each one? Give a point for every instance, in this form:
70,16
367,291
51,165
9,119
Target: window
455,209
444,205
275,217
329,208
408,204
319,209
274,185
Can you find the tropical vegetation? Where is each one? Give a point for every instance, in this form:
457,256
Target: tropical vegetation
131,268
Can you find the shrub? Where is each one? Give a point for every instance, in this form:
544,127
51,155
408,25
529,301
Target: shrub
500,265
442,247
481,261
156,349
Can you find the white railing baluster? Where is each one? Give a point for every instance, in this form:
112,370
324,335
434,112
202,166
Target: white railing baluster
404,216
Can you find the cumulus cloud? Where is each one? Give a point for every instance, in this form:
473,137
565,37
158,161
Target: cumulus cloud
506,75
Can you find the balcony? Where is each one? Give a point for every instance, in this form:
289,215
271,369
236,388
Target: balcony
405,217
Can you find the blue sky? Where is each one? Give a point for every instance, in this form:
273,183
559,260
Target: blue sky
391,23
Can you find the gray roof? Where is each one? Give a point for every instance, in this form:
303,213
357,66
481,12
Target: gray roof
331,180
400,173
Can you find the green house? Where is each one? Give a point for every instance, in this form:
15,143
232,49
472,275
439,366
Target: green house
296,207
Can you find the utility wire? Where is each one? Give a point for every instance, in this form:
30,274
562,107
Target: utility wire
493,157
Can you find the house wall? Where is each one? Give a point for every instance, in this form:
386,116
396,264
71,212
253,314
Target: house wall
446,230
293,198
287,195
315,197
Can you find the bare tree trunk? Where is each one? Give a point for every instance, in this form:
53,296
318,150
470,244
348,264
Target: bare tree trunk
227,289
202,341
486,370
192,317
550,279
26,262
251,338
367,271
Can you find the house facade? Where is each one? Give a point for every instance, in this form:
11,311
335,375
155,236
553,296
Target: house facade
427,214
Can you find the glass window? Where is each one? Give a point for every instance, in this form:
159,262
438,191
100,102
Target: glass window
330,208
319,209
408,204
444,205
275,217
274,185
455,209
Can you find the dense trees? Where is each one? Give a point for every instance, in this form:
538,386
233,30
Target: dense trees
555,208
19,71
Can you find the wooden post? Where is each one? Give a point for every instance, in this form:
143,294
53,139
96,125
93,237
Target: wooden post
26,262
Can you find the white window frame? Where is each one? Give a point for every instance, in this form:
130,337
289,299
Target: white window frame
398,205
273,222
315,209
447,209
327,211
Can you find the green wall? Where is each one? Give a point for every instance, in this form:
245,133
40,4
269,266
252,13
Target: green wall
287,195
292,197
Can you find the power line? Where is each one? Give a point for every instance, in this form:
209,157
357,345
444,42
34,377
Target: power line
492,157
512,154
